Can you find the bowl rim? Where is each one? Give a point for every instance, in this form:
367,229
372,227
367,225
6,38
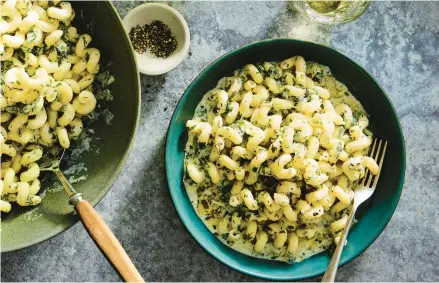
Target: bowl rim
119,167
182,53
180,210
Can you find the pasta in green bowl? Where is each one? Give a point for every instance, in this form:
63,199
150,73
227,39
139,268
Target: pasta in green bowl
61,91
268,147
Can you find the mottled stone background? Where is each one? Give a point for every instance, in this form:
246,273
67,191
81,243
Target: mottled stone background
396,41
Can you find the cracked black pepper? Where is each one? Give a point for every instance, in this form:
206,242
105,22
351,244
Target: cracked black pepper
157,38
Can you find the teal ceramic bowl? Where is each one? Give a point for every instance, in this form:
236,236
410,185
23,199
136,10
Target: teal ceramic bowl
373,215
23,227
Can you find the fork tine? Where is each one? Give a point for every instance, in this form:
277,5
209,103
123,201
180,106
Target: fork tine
367,178
380,164
373,147
374,156
364,179
366,174
377,154
369,175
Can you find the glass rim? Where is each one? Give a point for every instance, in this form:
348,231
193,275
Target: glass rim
317,17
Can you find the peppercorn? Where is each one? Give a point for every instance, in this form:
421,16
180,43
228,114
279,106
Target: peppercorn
157,38
138,38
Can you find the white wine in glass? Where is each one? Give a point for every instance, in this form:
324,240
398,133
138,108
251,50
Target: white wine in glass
330,11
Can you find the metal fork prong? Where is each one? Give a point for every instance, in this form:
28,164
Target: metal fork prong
363,180
373,148
368,176
377,153
62,154
375,157
369,181
380,164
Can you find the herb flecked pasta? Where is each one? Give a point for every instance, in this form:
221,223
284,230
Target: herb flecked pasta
49,78
272,156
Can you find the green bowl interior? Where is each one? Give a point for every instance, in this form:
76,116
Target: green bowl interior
23,227
373,216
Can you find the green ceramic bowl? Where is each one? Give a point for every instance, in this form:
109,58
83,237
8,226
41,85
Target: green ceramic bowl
373,216
24,227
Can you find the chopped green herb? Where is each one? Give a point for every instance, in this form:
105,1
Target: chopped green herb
64,29
225,192
318,77
357,115
33,34
104,95
105,79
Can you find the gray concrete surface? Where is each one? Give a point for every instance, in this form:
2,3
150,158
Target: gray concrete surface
396,41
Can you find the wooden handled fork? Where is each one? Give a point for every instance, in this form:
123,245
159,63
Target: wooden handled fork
95,225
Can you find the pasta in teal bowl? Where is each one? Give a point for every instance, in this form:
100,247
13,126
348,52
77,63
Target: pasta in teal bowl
264,150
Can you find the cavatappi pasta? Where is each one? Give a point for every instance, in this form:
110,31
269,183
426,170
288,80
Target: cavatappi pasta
49,78
272,156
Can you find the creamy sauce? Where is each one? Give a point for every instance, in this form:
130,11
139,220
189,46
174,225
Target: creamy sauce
211,195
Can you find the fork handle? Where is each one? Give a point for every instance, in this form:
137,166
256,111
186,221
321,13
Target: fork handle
331,271
107,242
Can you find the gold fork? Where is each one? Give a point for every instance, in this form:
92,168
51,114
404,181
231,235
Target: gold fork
363,191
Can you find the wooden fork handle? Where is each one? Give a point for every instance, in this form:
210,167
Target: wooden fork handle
107,242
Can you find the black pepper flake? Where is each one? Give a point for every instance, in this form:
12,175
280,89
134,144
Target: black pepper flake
157,38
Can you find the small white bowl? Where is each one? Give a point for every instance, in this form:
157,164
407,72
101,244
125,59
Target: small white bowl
145,14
